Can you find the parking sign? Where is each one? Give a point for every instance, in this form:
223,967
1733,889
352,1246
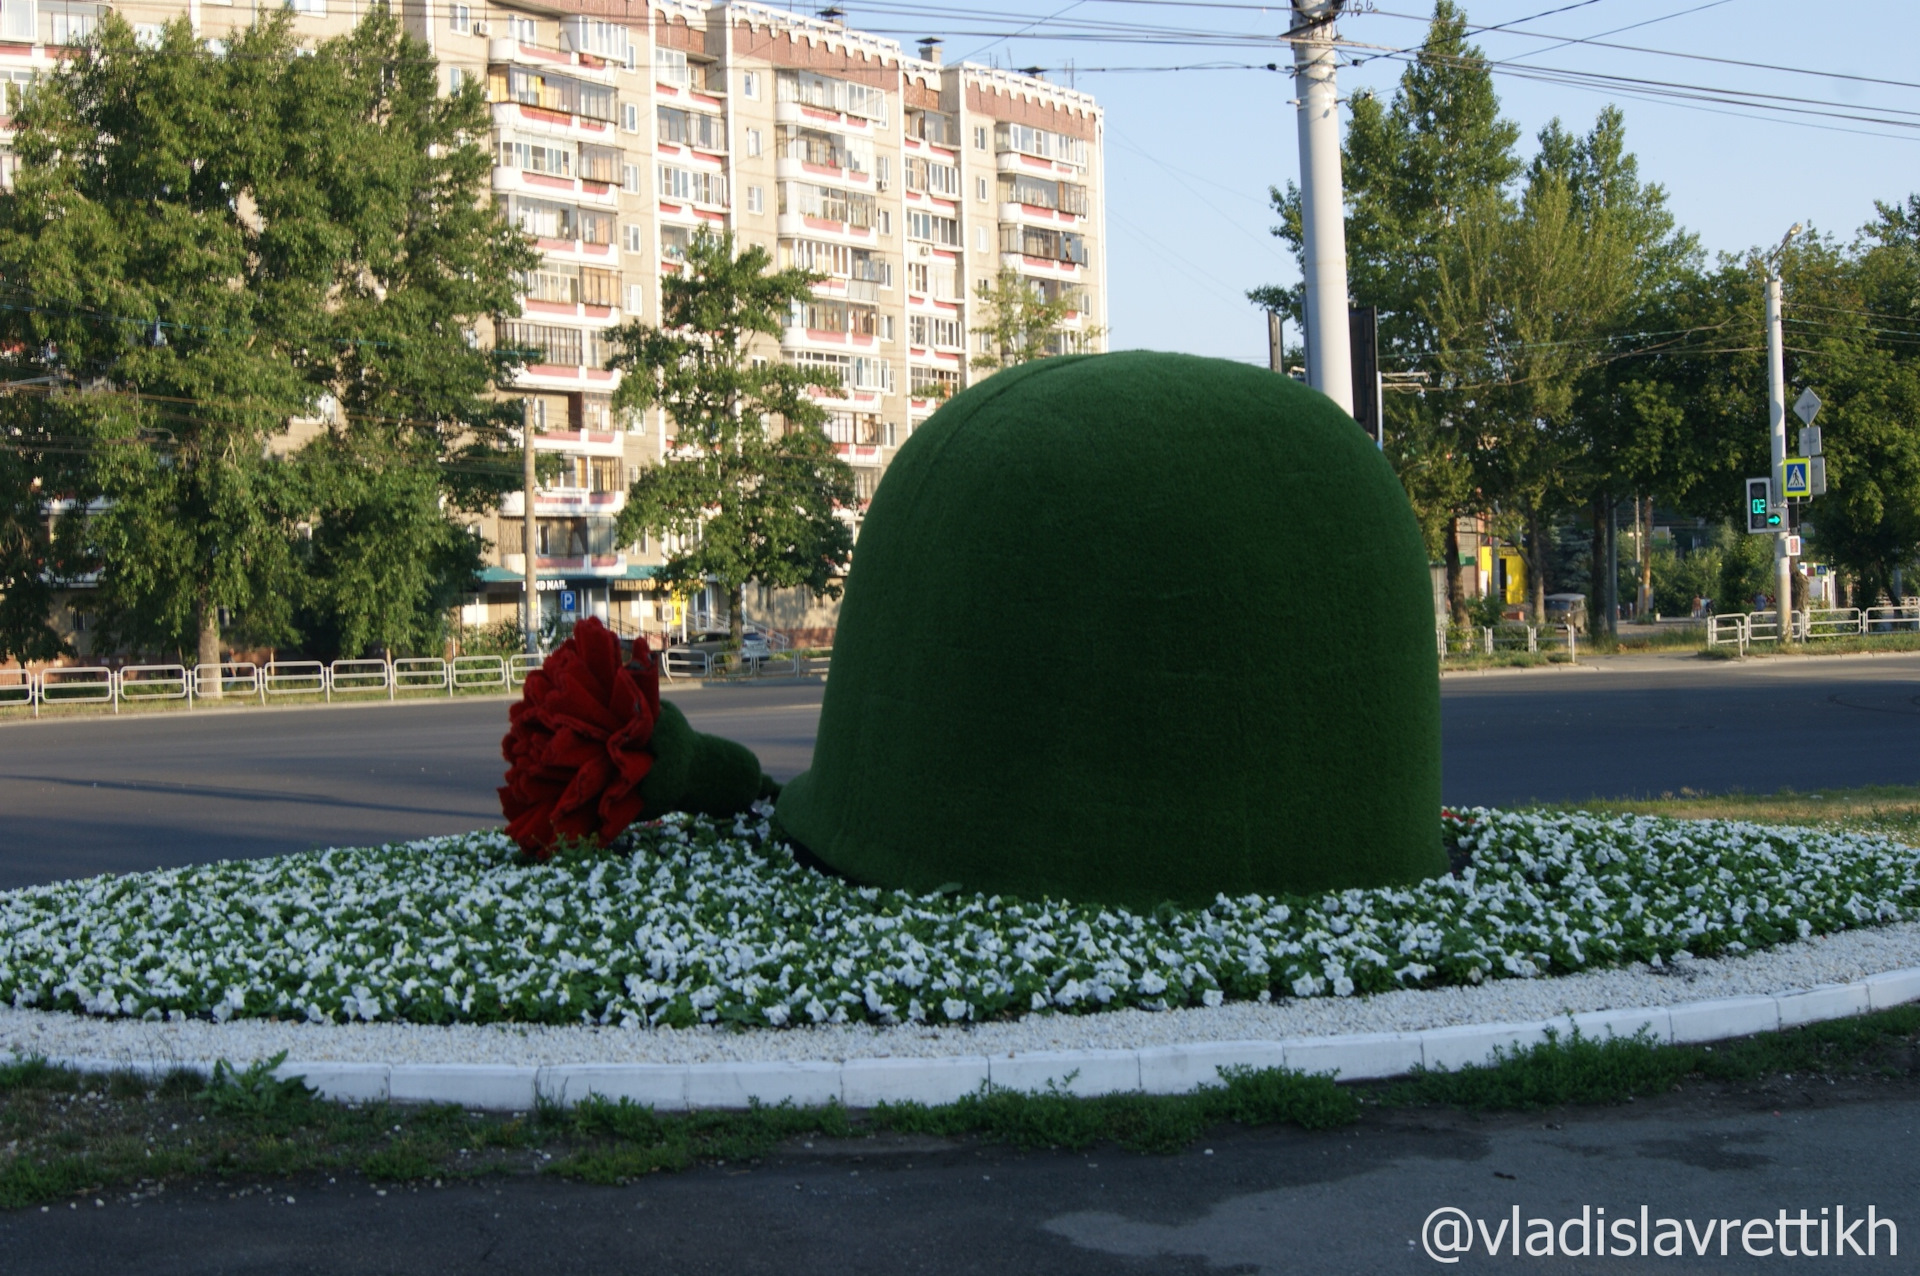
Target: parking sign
567,600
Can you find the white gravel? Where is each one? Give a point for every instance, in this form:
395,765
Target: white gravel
1840,958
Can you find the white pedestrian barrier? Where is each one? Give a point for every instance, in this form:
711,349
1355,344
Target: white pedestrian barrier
419,673
470,673
359,675
296,678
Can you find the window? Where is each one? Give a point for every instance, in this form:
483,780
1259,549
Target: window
541,219
980,189
827,203
932,330
551,92
630,117
630,178
750,84
1035,241
543,343
810,88
931,226
753,141
598,164
148,35
634,242
886,332
756,200
692,128
599,287
933,383
674,241
460,19
854,372
552,282
1037,192
1039,142
936,279
311,8
536,155
829,314
892,438
980,239
933,127
636,294
853,428
456,79
670,67
882,172
693,185
826,150
933,177
17,21
523,29
596,38
980,139
886,222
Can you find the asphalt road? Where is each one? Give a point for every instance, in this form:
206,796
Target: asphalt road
1283,1201
102,794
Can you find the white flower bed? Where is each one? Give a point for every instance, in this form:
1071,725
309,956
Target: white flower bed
694,923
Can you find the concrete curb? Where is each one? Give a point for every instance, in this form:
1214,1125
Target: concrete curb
1177,1069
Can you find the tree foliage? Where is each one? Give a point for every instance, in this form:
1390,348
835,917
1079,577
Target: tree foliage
1022,322
203,248
752,491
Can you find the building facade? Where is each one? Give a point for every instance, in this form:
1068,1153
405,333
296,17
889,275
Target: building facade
620,130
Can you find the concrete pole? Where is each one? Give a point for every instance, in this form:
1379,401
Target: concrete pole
1322,202
1777,426
528,531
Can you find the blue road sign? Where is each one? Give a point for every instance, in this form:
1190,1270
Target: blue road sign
567,600
1797,478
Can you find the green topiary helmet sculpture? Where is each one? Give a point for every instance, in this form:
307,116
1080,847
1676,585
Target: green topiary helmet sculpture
1131,628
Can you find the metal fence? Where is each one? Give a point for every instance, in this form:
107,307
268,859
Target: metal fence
1742,630
294,681
1508,636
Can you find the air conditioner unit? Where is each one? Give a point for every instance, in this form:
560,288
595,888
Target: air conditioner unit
482,29
923,250
882,183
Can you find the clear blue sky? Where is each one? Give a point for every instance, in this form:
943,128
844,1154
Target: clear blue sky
1191,154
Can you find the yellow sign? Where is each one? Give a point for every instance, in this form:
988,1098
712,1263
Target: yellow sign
1798,477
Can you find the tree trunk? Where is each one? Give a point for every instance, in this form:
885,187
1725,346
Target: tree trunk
1597,578
210,649
737,622
1643,605
1610,599
1456,575
1537,568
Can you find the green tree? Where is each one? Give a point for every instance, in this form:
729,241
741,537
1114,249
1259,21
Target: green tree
202,248
1023,322
751,488
37,467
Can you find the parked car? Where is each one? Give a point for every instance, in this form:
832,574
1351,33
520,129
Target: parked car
713,644
1568,609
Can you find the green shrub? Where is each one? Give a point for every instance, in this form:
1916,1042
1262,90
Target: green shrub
1092,744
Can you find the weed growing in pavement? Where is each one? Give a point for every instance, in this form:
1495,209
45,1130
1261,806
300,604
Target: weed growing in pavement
64,1133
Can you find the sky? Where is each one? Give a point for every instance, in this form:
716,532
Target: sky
1191,153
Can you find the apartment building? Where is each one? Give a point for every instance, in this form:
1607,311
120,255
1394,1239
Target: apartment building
621,130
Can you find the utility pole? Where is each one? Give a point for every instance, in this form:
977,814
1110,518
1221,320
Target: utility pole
1323,214
528,529
1777,429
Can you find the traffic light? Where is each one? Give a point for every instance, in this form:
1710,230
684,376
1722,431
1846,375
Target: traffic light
1761,514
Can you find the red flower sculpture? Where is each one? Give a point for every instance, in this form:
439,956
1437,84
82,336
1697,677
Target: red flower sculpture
580,742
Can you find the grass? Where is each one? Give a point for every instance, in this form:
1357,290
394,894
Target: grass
69,1134
1892,810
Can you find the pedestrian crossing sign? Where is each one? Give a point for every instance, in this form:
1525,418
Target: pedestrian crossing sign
1797,472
